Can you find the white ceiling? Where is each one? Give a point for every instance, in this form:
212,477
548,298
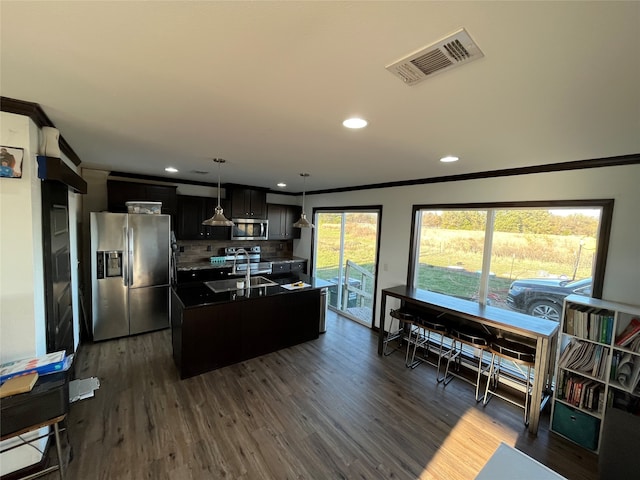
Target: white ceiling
139,86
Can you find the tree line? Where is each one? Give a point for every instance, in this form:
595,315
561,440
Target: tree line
514,221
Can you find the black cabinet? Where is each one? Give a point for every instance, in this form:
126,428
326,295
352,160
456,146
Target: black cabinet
280,267
204,339
192,211
248,203
300,266
120,192
281,219
203,275
213,336
283,267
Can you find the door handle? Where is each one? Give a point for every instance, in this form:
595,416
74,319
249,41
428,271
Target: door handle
130,246
125,258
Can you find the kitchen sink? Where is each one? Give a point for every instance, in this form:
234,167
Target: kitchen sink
229,284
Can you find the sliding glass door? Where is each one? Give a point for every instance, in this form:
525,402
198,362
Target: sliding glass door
346,256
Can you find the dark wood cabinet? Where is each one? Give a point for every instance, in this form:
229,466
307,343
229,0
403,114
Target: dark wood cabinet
192,211
248,203
205,338
120,192
281,219
213,336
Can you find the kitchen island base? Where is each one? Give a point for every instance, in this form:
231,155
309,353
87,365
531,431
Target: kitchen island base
211,336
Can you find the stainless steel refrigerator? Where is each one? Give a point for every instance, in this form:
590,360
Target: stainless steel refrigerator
130,281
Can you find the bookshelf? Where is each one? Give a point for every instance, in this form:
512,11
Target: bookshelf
597,367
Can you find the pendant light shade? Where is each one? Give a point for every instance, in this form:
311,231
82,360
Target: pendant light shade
218,219
303,222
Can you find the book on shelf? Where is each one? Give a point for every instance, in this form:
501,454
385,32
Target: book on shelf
586,395
603,327
49,363
585,357
572,351
569,323
587,324
634,346
629,333
615,359
581,392
561,383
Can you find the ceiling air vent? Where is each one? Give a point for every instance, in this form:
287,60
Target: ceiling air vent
449,52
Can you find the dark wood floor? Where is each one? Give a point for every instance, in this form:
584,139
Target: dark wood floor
327,409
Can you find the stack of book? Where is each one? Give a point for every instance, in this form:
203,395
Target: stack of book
585,357
49,363
596,326
581,392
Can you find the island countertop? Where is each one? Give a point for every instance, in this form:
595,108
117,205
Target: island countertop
197,294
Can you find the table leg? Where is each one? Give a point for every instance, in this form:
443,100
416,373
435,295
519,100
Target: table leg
56,430
383,308
539,382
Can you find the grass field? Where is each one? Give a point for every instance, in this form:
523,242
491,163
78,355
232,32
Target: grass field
359,247
450,259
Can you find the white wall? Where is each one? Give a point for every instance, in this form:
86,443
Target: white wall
622,183
22,297
22,311
22,308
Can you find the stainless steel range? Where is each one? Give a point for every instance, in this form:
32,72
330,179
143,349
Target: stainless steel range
256,265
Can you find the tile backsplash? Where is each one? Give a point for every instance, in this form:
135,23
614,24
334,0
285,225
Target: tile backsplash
190,251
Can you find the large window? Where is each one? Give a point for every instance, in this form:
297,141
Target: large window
520,256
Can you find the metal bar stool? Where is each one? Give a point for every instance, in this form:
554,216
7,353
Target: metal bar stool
518,353
429,328
412,326
479,342
399,334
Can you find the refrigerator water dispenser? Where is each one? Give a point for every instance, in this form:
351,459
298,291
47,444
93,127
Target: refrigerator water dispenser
109,264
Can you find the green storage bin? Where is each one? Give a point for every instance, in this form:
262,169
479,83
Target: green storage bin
577,426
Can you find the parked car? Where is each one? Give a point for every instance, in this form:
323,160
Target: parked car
542,297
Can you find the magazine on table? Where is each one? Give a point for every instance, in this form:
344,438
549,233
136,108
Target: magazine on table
43,365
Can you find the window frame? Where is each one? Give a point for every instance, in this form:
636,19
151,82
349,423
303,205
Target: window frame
604,230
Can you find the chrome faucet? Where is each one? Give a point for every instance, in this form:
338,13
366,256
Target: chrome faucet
247,280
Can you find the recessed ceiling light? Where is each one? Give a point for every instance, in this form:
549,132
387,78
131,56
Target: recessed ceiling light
355,123
282,185
171,170
449,159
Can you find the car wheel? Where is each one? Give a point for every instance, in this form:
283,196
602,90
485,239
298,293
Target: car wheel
546,310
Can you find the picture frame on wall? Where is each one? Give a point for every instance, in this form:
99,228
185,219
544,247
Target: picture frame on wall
11,161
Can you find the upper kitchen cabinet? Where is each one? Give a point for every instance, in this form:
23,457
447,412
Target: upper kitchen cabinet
192,211
281,219
247,202
119,192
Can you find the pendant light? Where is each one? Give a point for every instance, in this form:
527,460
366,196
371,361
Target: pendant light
218,219
303,222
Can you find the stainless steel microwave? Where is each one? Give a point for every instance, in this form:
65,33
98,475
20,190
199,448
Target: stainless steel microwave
250,229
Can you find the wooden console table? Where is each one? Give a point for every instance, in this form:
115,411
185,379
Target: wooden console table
46,405
55,422
543,332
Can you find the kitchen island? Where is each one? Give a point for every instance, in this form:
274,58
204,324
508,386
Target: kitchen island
211,330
